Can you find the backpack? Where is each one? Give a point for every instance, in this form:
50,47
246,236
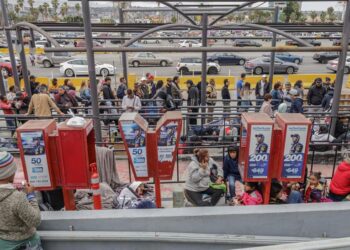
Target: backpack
121,91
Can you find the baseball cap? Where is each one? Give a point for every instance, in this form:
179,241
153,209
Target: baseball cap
263,76
293,92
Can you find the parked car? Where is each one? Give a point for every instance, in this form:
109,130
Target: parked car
226,58
261,65
116,41
190,43
338,43
324,57
287,57
150,41
50,59
6,69
335,36
80,67
194,65
291,43
41,44
246,43
82,44
5,58
313,42
333,65
148,59
63,41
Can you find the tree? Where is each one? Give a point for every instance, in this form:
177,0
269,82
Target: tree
64,9
41,11
77,7
46,7
173,19
20,3
313,15
33,11
73,19
331,14
323,16
55,5
292,11
17,8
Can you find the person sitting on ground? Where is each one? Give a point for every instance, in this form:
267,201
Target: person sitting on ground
135,196
339,189
266,107
251,195
231,171
20,214
131,102
276,193
314,189
297,102
341,128
198,181
42,103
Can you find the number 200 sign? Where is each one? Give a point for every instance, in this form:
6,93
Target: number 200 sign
294,157
258,157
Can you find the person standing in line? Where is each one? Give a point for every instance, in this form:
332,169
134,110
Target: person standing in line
176,92
211,97
225,95
239,87
246,97
266,107
131,102
122,88
277,95
297,102
315,96
32,59
7,109
300,88
287,98
65,101
20,214
42,104
192,100
262,88
33,85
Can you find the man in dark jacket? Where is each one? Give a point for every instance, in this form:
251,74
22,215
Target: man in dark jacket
231,171
316,95
108,96
225,95
262,88
192,100
297,102
65,101
328,99
33,85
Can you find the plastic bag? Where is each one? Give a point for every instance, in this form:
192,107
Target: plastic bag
75,121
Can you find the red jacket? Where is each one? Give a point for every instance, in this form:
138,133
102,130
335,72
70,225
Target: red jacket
340,183
6,108
254,198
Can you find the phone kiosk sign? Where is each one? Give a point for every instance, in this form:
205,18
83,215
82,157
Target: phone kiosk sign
133,129
33,142
296,132
256,151
168,132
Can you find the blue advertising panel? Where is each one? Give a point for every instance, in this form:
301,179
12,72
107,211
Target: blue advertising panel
294,151
259,151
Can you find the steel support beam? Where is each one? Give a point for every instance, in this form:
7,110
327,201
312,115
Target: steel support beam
273,44
124,56
204,65
32,41
199,49
9,44
22,55
91,68
340,70
2,84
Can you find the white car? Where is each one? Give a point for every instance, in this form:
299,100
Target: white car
80,67
333,65
8,59
190,43
41,44
194,65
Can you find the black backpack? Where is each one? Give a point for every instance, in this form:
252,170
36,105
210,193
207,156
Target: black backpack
121,91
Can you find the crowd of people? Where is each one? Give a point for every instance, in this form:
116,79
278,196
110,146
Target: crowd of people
207,182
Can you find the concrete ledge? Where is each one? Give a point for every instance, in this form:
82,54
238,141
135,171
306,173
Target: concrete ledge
300,220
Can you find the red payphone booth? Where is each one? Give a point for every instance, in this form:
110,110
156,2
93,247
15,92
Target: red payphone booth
293,146
255,149
34,142
152,153
57,156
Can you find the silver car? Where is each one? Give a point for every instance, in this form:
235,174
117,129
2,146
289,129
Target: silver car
261,65
149,59
50,59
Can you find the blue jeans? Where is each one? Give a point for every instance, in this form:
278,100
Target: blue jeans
231,184
294,197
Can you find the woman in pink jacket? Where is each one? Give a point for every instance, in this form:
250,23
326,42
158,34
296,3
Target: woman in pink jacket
251,195
266,107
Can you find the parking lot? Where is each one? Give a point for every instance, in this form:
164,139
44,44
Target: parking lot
309,66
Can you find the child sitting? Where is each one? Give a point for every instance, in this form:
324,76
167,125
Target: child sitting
231,171
314,189
276,193
251,195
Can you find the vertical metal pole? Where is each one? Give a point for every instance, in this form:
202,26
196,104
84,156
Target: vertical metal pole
91,69
22,56
2,85
124,57
274,38
341,65
204,65
9,44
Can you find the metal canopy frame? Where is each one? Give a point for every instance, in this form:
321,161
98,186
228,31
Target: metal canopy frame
186,11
